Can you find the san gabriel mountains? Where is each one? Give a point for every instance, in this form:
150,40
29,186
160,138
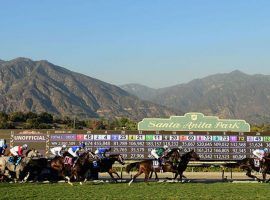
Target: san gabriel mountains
38,86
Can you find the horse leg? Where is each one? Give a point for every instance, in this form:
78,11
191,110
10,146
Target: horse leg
146,177
66,178
252,176
175,176
26,177
115,172
156,176
136,175
151,174
109,172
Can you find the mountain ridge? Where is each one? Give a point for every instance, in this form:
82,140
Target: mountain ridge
27,85
227,95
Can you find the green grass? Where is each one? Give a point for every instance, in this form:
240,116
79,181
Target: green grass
136,191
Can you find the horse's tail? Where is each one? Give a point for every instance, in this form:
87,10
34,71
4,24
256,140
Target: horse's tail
131,166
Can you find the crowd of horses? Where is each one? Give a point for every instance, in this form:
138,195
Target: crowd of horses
34,167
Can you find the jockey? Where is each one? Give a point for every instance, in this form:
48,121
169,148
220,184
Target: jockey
100,152
260,153
17,153
2,149
57,151
74,150
159,153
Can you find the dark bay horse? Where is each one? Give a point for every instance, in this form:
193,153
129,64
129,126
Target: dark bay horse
182,166
248,165
146,166
105,165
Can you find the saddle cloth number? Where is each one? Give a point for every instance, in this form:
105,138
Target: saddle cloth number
95,164
155,164
68,161
256,162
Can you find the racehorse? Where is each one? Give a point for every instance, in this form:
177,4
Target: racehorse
11,167
248,164
36,169
172,158
105,165
80,169
182,166
59,167
146,166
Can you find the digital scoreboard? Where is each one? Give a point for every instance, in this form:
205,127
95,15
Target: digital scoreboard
139,144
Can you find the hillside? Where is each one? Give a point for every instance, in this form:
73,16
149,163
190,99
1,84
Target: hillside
230,95
38,86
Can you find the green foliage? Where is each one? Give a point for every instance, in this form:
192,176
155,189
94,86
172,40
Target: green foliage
17,117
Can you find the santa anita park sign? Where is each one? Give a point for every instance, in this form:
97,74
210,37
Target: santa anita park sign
193,122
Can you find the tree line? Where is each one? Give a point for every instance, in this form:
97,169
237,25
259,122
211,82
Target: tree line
44,120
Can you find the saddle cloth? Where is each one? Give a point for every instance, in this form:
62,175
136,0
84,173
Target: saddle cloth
155,164
95,164
257,162
68,160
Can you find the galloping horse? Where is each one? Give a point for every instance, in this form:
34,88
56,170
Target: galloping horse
185,158
171,160
62,170
248,164
11,167
146,166
105,165
80,170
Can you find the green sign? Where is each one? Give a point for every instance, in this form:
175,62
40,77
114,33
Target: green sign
193,122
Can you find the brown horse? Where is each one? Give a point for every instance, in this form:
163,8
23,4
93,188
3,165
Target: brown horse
59,167
248,165
146,166
80,170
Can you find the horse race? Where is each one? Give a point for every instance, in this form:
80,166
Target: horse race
127,99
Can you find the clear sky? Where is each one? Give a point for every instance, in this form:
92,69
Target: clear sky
157,43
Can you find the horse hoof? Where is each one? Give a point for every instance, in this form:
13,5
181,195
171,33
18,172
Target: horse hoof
80,183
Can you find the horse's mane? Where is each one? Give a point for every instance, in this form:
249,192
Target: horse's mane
172,151
186,156
113,155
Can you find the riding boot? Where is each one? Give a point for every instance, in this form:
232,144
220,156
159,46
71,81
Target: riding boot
18,160
15,158
74,160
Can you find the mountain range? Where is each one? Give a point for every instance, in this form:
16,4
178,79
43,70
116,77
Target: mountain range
230,95
40,86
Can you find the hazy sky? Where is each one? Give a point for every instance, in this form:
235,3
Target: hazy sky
152,42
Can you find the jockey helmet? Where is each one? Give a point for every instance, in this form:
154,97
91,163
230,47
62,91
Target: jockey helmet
25,146
165,147
265,150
